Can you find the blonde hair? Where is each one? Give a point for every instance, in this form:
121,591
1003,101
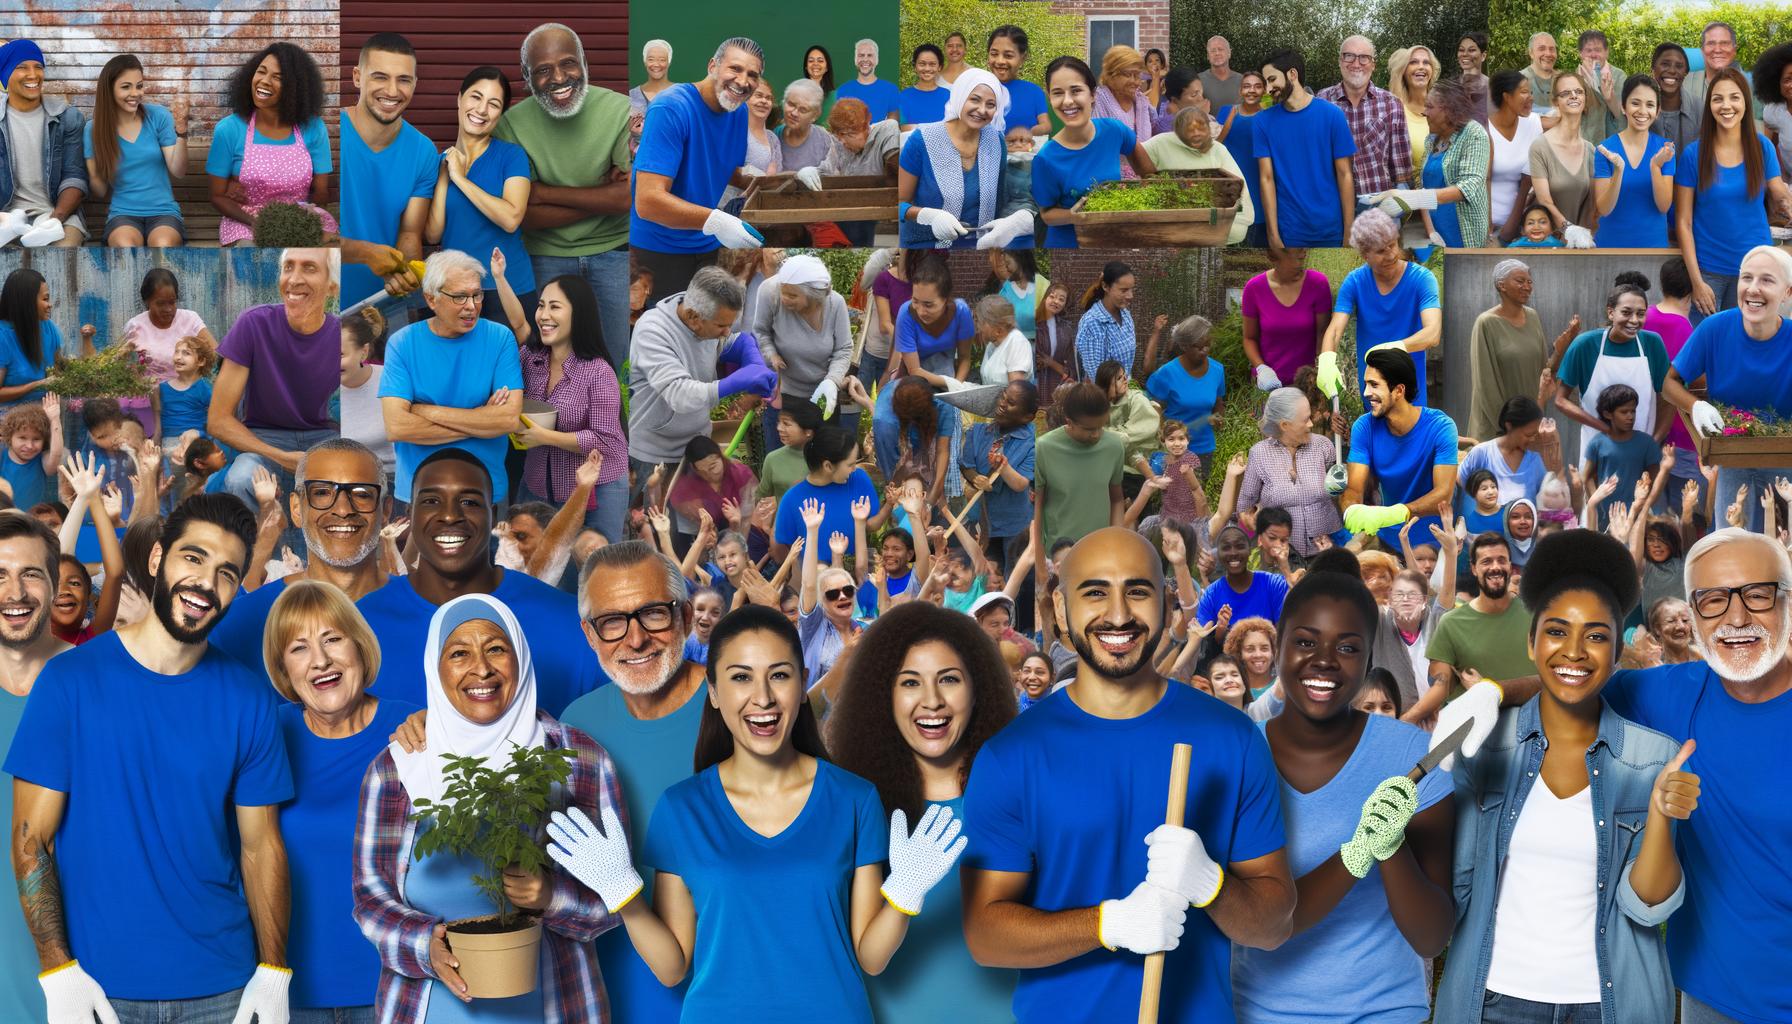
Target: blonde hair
1397,62
305,602
1118,60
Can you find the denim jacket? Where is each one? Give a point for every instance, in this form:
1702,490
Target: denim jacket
1634,984
64,166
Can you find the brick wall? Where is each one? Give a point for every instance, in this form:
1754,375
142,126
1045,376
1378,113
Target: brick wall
1153,15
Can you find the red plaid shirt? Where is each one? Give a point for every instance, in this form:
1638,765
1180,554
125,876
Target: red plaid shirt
572,986
589,403
1383,157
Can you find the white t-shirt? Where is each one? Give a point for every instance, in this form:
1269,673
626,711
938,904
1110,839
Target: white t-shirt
1013,354
1546,921
363,421
1510,161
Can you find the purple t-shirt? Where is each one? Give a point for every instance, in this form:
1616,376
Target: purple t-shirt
892,289
1285,334
291,375
1674,330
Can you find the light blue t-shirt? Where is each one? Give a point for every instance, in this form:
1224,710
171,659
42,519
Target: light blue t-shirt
880,97
225,158
1726,221
18,369
1302,147
1402,464
1026,104
1078,824
467,228
376,187
21,998
148,848
185,409
1523,482
698,148
1190,399
1738,370
30,484
140,184
1262,599
793,953
425,368
1300,981
923,106
836,507
1389,317
1635,222
1062,175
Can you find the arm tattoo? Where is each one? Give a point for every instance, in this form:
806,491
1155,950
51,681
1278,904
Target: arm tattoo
40,894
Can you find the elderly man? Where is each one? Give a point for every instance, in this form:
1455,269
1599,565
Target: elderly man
1604,116
43,178
676,375
879,96
1541,73
454,379
388,173
578,145
1718,43
1727,942
693,146
1304,151
148,769
1383,157
1219,80
1191,145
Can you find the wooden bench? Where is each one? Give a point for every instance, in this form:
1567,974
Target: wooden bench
192,191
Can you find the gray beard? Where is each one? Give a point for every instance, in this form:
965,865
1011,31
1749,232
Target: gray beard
570,110
315,549
670,662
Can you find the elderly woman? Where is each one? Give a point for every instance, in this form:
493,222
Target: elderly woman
1511,128
273,147
1287,470
656,57
950,173
481,705
1393,299
1561,166
482,189
827,598
1084,153
801,325
1007,354
1119,96
763,153
925,101
1412,72
1633,174
1284,311
1190,146
861,147
1191,388
1452,172
321,655
802,142
1507,348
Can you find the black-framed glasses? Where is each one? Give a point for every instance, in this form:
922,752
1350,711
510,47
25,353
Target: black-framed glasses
836,593
321,495
1712,602
654,618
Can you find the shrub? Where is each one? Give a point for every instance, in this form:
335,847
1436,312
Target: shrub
287,225
1049,35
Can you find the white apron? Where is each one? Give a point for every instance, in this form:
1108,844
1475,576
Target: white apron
1606,372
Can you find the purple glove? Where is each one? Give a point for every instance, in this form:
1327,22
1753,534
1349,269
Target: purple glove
758,379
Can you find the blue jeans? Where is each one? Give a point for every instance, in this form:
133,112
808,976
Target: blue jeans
608,518
607,274
239,476
870,369
218,1009
334,1015
1756,480
1723,291
1694,1012
1503,1009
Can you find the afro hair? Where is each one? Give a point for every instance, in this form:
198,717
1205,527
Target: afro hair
1580,560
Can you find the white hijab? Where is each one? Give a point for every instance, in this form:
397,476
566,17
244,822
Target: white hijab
969,79
944,161
447,731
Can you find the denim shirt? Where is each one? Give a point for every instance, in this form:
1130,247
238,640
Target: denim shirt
1634,983
64,166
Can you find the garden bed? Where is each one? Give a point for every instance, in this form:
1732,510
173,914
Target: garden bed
1757,443
776,199
1176,208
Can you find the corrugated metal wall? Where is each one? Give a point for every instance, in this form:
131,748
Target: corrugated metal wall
453,38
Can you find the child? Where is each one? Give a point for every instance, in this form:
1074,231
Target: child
1226,676
32,435
108,441
162,325
1183,467
707,608
1380,694
74,588
204,465
1538,230
1620,451
183,401
1483,512
784,468
1072,462
1017,174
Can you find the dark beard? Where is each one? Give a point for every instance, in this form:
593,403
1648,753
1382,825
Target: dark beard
1487,591
163,603
1092,654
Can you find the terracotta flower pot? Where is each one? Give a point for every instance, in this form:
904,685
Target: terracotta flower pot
496,964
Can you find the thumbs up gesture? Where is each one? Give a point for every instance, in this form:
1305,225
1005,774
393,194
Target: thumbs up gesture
1676,792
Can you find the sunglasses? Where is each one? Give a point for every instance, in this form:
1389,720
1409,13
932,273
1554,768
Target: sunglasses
836,593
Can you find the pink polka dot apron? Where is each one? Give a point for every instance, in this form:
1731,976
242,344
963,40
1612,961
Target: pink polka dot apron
272,173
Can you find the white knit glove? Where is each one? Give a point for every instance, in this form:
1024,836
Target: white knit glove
264,998
71,996
1178,861
826,396
1706,419
919,861
810,177
46,231
599,860
1481,704
1397,202
1576,237
731,231
1149,920
945,227
1003,230
1266,378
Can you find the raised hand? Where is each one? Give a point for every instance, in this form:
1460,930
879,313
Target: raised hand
1733,515
1676,793
112,500
920,860
662,523
861,508
1223,621
83,474
838,543
498,263
1662,156
731,512
266,487
706,528
589,470
1236,465
598,859
813,516
764,511
1175,546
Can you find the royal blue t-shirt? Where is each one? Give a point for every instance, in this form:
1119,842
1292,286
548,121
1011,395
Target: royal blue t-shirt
1627,460
238,633
332,963
1302,147
20,370
1239,142
1189,399
1726,221
1077,821
813,975
1738,370
1402,464
21,998
1026,104
565,667
376,187
923,106
1263,599
30,484
424,368
912,337
698,148
836,507
880,97
1061,175
914,234
1389,317
1727,942
185,409
153,766
140,185
1635,222
467,228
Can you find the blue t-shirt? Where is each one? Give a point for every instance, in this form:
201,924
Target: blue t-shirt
881,98
1078,824
1626,459
20,370
728,868
225,158
238,633
836,507
923,106
1061,175
913,159
148,848
424,368
1240,143
1010,511
30,484
1402,464
1726,221
1189,399
21,998
1262,599
467,228
1298,982
332,963
1738,370
698,148
911,336
1727,942
1635,222
140,184
376,187
565,668
184,410
1302,148
1523,482
1389,317
894,586
1026,105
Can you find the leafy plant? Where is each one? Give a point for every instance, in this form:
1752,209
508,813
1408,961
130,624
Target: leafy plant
494,816
112,372
288,225
1151,194
1049,34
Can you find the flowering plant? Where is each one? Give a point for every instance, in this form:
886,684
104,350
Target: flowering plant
1743,423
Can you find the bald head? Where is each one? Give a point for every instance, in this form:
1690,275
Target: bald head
1114,554
1112,604
1543,51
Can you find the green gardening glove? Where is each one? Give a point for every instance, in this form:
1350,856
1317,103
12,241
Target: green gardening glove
1328,377
1383,826
1370,518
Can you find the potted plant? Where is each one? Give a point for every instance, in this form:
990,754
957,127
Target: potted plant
495,816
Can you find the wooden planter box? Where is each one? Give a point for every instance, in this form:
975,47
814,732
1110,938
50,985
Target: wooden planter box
1740,452
1127,229
780,199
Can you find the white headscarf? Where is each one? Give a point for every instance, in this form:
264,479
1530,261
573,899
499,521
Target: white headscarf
948,169
446,731
804,270
960,90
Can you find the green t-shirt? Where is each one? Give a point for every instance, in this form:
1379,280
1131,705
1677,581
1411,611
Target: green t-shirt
575,152
782,470
1493,645
1583,352
1069,474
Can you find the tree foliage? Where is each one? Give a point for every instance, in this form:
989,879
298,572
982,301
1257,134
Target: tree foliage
1049,35
1634,28
1257,30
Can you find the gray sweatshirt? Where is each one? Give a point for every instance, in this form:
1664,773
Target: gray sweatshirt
671,384
810,355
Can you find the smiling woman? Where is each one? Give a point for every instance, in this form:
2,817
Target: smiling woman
273,148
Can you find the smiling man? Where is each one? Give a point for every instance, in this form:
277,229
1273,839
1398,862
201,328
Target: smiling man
1487,635
1717,43
29,561
1408,452
881,98
1304,150
1064,892
388,173
1541,72
1383,157
43,178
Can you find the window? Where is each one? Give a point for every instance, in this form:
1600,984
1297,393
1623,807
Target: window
1107,30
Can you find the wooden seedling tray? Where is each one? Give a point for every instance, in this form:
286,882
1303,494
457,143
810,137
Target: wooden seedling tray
1742,452
1202,226
781,199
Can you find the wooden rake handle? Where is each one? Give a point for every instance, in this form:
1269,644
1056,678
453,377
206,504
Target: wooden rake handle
1151,988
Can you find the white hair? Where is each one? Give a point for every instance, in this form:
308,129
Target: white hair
712,289
806,90
647,48
578,46
1781,258
1536,36
1782,561
440,265
1505,268
332,259
1279,408
865,42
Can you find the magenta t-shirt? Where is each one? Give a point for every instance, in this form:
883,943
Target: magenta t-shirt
1285,334
1674,330
291,375
893,289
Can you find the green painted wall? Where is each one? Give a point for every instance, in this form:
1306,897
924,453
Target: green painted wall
784,29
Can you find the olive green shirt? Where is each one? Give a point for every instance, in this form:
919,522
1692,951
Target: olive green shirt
575,152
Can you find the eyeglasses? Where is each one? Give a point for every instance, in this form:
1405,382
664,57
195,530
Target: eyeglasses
1712,602
321,495
1357,58
463,298
837,593
654,618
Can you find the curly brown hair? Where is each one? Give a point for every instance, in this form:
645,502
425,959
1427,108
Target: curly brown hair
1242,629
861,731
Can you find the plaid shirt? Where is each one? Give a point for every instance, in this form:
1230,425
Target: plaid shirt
1276,477
572,987
1383,157
590,405
1100,337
